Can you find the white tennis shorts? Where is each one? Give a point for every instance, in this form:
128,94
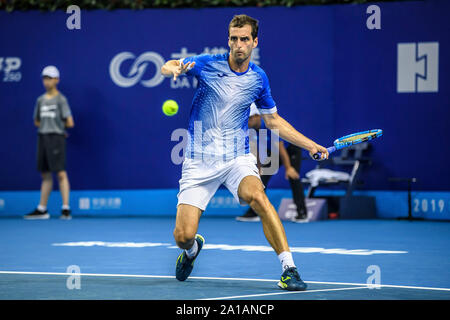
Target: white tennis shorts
200,181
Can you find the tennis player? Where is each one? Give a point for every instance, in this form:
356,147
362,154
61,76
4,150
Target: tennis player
218,151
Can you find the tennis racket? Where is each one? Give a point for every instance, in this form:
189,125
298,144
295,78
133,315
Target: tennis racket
351,139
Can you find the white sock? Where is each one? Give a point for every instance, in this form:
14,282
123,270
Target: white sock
65,207
41,208
193,250
286,260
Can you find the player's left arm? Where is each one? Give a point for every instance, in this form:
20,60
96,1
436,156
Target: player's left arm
287,132
66,113
69,122
175,68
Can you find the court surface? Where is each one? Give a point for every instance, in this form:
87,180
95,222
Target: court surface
134,258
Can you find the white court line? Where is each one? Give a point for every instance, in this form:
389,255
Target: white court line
214,278
284,292
85,274
380,285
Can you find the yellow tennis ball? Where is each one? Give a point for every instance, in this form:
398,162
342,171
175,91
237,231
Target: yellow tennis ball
170,107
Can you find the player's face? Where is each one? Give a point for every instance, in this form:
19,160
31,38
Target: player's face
241,43
49,83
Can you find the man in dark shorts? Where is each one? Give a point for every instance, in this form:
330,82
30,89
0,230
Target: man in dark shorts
52,115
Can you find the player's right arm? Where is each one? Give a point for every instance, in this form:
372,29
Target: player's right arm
267,107
289,133
175,68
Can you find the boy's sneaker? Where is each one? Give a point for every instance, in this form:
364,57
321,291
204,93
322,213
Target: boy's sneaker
184,264
290,280
65,214
37,215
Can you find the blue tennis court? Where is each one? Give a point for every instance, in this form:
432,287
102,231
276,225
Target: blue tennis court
189,106
134,258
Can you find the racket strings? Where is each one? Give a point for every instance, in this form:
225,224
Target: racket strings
357,137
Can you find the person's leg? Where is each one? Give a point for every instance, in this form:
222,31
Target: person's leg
44,169
298,197
186,225
56,158
198,184
47,181
250,214
64,187
186,237
251,190
295,156
46,189
245,184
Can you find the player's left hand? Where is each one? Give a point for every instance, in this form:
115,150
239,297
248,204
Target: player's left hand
291,173
181,69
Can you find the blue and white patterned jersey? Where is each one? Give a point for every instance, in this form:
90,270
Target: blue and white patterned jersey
218,123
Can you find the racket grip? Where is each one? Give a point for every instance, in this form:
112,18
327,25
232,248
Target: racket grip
317,155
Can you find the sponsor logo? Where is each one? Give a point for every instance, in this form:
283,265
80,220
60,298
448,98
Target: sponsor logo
99,203
137,70
48,111
417,67
10,67
140,68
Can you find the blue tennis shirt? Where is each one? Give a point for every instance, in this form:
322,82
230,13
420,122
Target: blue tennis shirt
218,122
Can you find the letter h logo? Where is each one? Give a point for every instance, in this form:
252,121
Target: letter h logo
417,67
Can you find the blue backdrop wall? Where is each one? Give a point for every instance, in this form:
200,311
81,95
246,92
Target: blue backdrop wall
330,75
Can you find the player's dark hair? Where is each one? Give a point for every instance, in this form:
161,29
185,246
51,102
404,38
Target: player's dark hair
241,20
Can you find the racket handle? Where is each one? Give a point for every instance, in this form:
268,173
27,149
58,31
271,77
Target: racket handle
317,155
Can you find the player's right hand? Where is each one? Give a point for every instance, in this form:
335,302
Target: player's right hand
181,69
318,148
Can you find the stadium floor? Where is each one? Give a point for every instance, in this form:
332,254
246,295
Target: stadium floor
134,259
